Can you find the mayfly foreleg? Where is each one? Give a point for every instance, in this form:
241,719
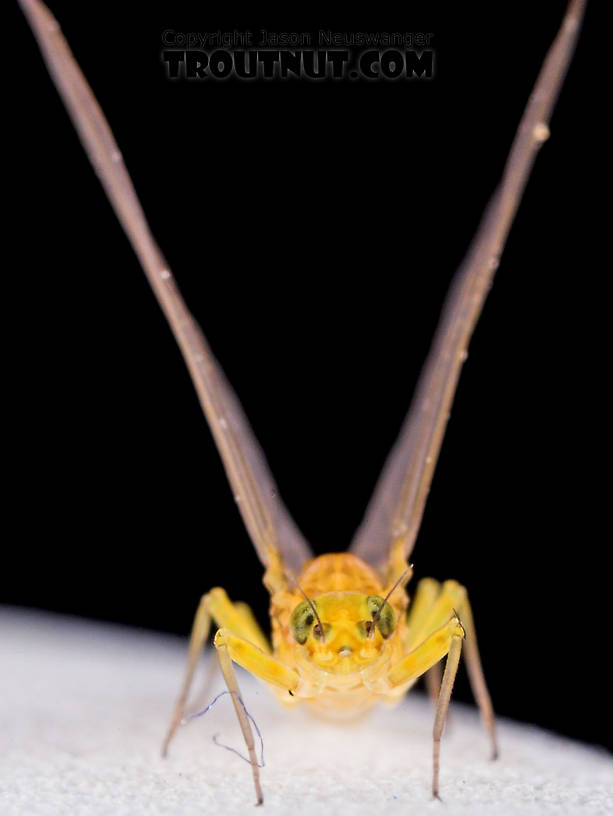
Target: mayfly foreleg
217,606
442,706
231,648
227,669
254,660
424,656
446,640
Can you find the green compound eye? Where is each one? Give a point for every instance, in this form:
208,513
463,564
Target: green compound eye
301,621
386,621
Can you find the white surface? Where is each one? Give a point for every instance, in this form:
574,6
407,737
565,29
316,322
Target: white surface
84,708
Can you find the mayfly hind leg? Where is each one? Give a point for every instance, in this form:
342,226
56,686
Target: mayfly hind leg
439,623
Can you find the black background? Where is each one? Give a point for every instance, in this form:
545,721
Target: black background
313,229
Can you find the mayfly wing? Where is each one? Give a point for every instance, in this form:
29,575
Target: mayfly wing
267,521
395,511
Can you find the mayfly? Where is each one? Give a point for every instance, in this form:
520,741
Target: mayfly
343,633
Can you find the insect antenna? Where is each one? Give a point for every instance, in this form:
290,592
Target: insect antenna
320,633
377,615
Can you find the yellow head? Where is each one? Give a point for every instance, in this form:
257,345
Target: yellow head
342,632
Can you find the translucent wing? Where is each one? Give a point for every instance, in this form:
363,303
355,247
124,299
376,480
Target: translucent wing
265,517
397,506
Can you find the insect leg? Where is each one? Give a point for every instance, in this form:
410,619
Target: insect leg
445,640
475,674
230,648
444,599
428,590
257,662
432,605
200,632
451,668
227,669
418,620
215,604
433,682
429,652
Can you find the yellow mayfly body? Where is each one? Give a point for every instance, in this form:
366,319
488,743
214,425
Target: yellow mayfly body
343,633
